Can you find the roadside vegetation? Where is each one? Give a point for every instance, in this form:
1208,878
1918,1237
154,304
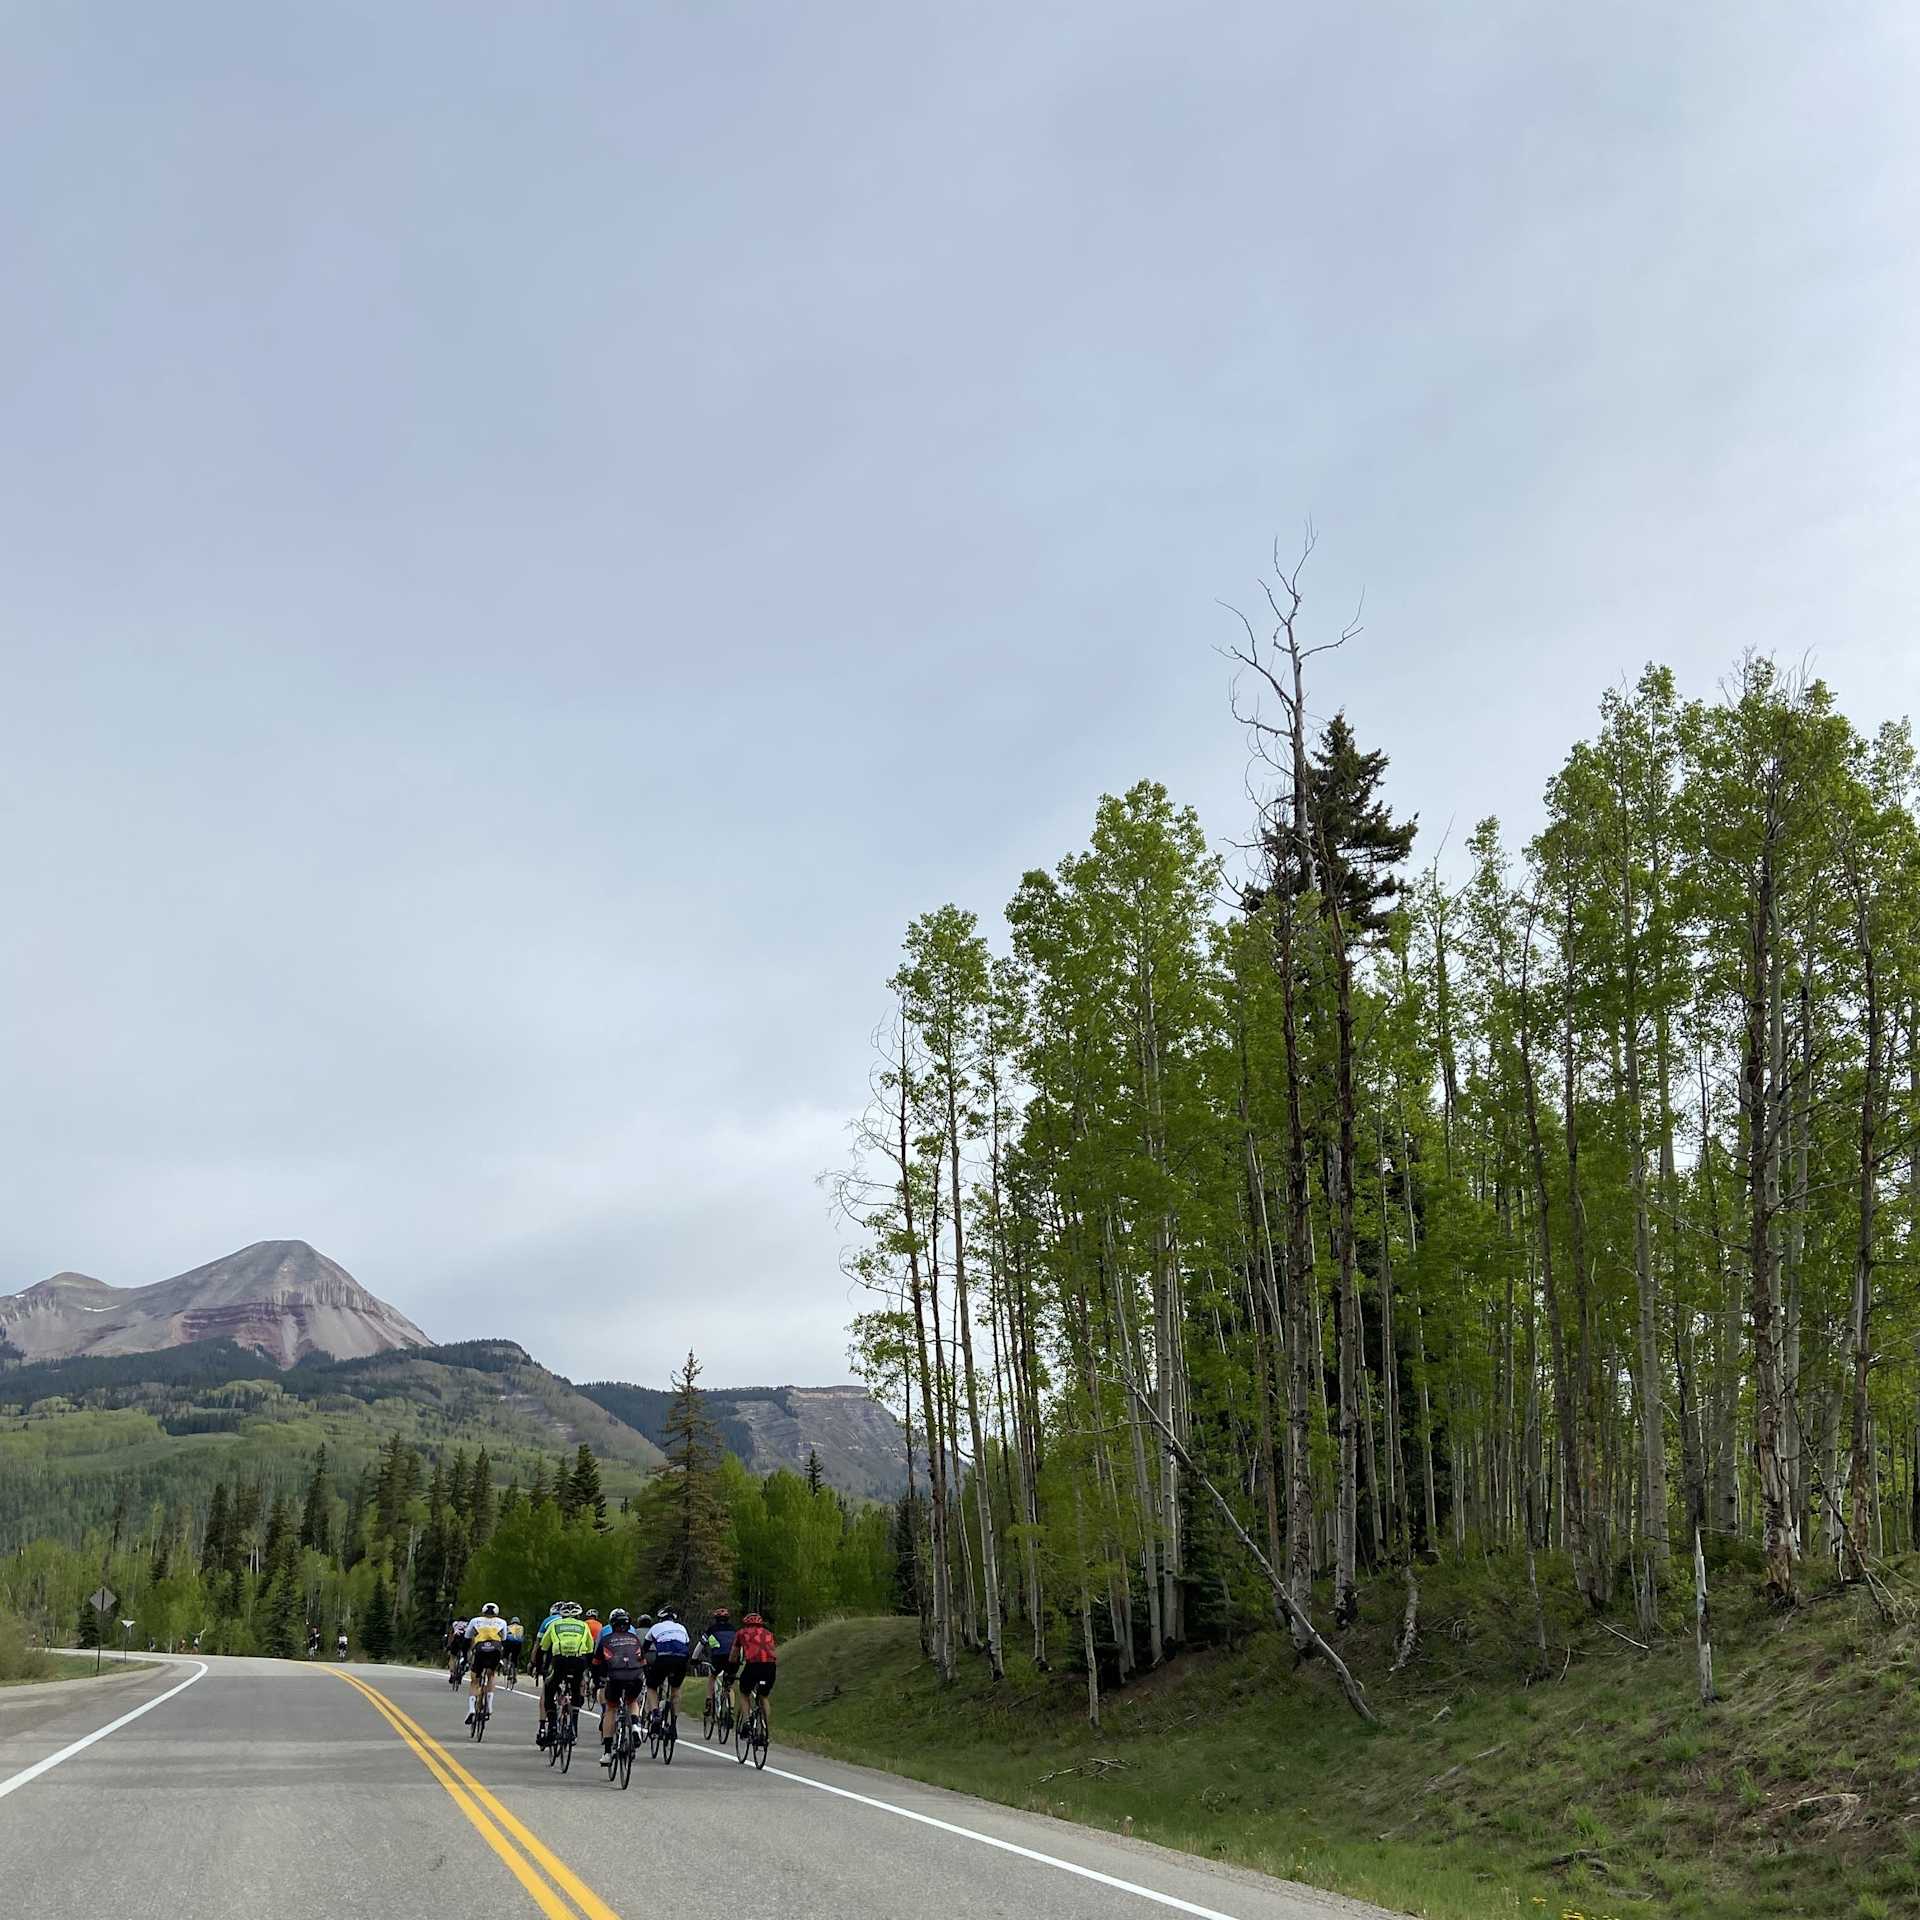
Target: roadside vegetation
23,1661
1603,1789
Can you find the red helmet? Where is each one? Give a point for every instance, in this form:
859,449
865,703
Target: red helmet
751,1620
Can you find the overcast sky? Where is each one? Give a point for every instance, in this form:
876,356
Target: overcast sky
532,540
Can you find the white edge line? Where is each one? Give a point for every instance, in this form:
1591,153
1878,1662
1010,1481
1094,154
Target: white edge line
52,1760
948,1826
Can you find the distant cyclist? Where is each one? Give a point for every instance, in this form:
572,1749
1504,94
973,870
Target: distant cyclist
621,1666
567,1648
486,1643
593,1627
758,1657
456,1650
340,1647
516,1639
716,1647
668,1650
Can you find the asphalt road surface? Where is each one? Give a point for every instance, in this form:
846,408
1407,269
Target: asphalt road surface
278,1790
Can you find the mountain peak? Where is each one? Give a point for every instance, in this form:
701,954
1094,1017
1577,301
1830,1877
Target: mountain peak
283,1298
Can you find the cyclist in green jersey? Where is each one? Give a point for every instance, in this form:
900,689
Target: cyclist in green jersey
567,1646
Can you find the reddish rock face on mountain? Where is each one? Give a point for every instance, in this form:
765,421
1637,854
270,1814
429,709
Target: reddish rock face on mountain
279,1297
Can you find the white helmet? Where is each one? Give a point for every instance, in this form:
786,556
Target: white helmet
491,1611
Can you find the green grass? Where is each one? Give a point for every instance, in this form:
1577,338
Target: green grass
1607,1792
62,1666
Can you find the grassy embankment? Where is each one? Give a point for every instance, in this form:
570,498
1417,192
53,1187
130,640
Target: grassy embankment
22,1663
1602,1790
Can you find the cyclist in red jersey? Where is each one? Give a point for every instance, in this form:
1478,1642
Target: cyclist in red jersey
754,1648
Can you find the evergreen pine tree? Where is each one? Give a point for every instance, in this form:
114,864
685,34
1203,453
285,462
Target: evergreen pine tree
280,1626
695,1562
376,1630
279,1532
316,1517
584,1493
480,1504
815,1477
219,1535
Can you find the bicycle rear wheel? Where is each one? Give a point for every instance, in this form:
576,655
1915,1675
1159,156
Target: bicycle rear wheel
669,1733
709,1715
759,1736
568,1729
482,1714
623,1756
743,1736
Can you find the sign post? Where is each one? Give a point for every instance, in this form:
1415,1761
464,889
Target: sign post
102,1600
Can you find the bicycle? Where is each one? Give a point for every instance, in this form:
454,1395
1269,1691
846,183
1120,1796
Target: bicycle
457,1670
750,1735
717,1722
482,1712
626,1736
663,1729
513,1672
566,1734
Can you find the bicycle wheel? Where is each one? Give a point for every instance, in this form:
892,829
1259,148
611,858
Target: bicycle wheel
569,1727
709,1716
669,1733
623,1756
482,1715
759,1737
743,1736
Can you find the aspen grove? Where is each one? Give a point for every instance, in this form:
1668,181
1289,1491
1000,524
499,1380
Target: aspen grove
1260,1226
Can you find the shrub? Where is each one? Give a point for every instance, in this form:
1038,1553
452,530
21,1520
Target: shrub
19,1659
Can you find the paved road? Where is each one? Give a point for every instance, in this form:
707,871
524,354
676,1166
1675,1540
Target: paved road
252,1788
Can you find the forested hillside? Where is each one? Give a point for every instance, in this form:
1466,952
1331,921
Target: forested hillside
1254,1229
80,1438
276,1528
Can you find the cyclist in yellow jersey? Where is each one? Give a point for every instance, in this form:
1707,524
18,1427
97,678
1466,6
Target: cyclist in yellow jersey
486,1643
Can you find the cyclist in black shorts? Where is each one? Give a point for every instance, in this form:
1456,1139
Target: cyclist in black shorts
668,1649
622,1669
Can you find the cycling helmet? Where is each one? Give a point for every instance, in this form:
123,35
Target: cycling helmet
667,1613
515,1621
646,1620
557,1605
491,1611
618,1618
568,1609
722,1613
752,1620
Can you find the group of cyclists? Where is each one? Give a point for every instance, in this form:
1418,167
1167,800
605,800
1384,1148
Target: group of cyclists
639,1662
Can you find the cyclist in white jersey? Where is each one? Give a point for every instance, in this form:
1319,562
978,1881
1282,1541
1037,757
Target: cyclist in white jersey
666,1649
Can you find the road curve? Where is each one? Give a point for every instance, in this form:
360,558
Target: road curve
239,1788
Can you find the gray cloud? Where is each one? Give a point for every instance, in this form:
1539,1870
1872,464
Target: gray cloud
529,552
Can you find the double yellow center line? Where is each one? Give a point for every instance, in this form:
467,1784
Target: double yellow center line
526,1857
